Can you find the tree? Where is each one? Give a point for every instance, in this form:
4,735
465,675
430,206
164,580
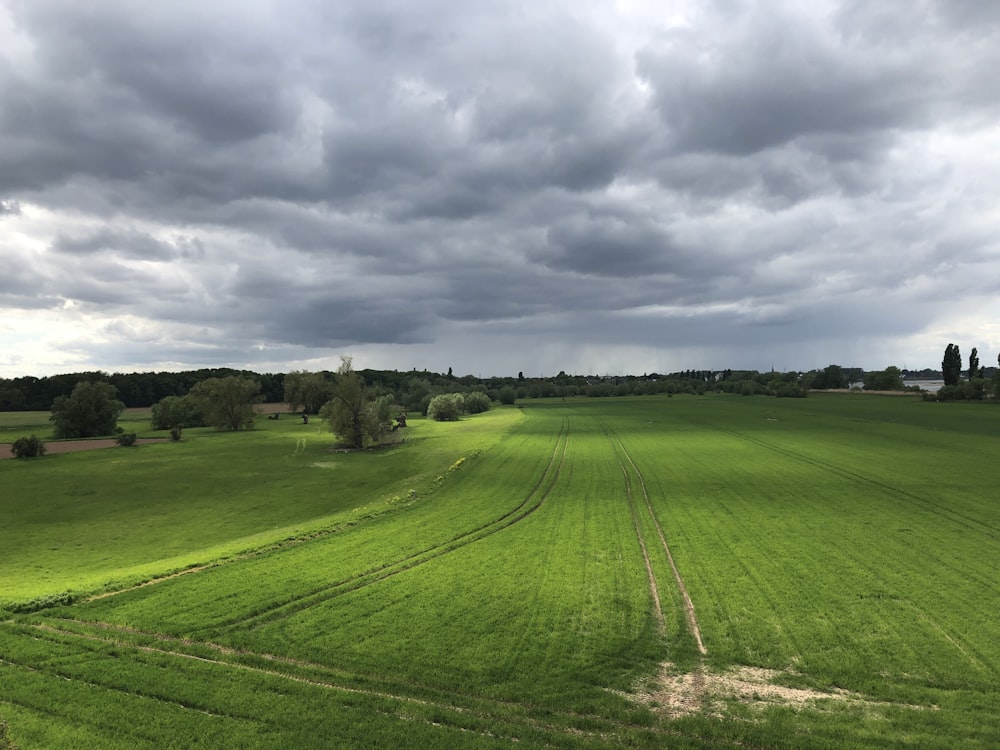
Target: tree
889,379
310,390
227,403
177,411
91,409
507,395
974,363
951,365
354,413
476,402
446,407
832,376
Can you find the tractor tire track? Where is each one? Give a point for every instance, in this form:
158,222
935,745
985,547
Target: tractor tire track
539,492
696,685
690,615
498,712
654,588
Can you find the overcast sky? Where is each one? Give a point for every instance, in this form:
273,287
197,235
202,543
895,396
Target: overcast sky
496,187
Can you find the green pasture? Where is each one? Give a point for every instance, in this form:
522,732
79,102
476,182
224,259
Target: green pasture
511,577
94,520
16,424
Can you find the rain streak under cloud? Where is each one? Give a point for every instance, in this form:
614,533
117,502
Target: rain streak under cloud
593,187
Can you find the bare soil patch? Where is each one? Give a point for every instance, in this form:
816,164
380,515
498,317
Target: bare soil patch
73,446
676,694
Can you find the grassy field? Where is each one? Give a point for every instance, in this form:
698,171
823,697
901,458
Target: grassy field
647,572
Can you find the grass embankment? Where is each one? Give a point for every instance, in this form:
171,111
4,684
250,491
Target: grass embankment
847,545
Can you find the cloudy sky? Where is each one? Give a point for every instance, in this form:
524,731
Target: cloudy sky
596,187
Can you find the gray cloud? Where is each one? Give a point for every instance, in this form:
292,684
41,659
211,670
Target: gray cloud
129,244
261,180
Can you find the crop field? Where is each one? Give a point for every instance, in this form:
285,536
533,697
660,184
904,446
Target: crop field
650,572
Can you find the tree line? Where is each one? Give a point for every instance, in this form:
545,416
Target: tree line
414,390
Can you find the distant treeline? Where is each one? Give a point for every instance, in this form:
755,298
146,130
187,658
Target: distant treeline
414,388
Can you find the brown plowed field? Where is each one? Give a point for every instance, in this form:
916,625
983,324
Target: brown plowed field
72,446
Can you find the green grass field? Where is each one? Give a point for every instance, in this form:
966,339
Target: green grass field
644,572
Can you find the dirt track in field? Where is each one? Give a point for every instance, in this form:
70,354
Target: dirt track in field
73,446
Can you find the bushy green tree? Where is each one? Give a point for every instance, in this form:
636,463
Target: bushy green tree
227,403
177,411
416,394
476,402
310,390
889,379
355,414
507,395
446,407
832,376
91,409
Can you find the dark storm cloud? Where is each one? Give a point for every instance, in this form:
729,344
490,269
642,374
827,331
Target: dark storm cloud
263,176
618,246
749,89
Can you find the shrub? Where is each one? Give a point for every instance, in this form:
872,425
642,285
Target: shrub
789,390
28,447
507,395
446,408
969,390
126,439
476,402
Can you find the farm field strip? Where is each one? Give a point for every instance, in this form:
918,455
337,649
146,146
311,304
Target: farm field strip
969,522
835,555
531,502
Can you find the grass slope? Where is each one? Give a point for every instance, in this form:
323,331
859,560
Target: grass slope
99,520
